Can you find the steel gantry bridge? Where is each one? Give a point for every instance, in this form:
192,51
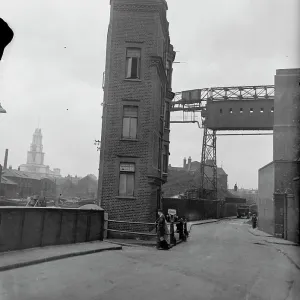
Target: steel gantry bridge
223,108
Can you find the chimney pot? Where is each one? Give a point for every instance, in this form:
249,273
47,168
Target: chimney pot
5,159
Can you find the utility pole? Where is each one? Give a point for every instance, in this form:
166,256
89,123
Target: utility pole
98,144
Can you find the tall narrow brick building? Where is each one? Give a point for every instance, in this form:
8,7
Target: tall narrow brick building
136,110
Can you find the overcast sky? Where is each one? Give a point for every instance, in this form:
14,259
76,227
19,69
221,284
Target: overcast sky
52,71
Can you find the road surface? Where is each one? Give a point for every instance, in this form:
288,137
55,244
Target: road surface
219,261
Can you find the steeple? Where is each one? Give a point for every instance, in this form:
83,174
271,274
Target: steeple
35,154
35,158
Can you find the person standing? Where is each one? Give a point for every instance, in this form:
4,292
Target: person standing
162,232
254,221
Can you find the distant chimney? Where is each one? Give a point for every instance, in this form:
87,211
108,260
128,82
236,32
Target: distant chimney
18,168
5,159
184,163
189,163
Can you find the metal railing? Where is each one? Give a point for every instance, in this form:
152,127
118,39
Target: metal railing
183,232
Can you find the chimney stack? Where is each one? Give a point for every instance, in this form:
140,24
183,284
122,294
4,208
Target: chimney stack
184,163
5,159
189,163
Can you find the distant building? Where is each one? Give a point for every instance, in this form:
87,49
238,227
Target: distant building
251,195
193,167
35,158
87,187
8,188
77,187
20,184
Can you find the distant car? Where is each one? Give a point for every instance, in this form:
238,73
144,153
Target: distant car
243,211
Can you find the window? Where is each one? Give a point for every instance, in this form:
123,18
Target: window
126,186
251,110
221,111
230,110
130,116
133,63
241,111
165,159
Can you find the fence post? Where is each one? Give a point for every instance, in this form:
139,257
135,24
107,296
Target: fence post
157,236
105,225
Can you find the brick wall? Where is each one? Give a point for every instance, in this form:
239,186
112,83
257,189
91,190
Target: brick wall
286,114
133,24
265,205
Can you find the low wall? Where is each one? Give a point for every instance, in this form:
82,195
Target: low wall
29,227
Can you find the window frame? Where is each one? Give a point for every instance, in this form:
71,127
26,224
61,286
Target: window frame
138,68
130,120
127,172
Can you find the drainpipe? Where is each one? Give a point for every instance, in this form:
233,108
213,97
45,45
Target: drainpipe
0,177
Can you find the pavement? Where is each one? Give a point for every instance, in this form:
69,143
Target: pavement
289,249
270,238
219,261
17,259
